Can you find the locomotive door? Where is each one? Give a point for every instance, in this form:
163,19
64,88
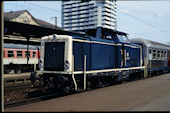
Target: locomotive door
54,56
123,56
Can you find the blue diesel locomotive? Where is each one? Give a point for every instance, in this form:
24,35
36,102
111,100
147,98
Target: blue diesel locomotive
75,61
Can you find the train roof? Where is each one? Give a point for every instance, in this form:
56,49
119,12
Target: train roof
149,43
19,46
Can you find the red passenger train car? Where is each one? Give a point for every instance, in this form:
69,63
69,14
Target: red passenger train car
16,59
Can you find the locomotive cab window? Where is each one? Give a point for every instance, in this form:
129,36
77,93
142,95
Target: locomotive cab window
19,54
123,38
109,36
10,53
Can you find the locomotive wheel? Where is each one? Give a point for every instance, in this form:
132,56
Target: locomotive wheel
63,85
141,75
42,82
50,83
101,85
63,89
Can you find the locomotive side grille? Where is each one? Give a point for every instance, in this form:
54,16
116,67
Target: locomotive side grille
54,56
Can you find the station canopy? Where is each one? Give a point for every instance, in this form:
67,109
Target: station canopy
30,31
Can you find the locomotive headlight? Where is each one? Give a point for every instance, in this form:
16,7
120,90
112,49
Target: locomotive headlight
67,65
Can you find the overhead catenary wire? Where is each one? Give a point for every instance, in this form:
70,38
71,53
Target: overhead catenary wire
43,6
155,27
137,2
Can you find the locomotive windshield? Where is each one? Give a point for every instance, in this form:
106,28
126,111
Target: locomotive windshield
123,38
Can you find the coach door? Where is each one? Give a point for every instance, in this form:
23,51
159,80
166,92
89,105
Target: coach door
123,56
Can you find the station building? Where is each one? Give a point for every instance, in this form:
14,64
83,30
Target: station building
25,18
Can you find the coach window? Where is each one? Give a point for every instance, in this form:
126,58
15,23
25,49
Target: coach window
150,54
34,54
19,54
158,54
162,55
154,55
10,53
29,55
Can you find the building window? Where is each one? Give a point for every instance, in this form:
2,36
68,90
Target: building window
25,20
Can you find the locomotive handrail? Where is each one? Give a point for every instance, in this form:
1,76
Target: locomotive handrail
84,72
73,73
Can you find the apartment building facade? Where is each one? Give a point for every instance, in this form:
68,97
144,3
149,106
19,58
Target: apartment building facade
81,15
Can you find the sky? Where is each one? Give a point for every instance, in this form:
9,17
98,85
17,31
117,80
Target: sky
140,19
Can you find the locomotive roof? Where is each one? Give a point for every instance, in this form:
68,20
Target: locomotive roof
150,43
106,29
19,46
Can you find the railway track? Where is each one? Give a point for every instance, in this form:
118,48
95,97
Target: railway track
33,95
150,94
30,100
17,86
17,92
40,95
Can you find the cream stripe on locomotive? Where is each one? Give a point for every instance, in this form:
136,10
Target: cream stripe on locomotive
94,71
78,40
